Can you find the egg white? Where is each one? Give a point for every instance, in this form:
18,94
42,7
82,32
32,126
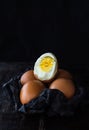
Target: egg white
43,75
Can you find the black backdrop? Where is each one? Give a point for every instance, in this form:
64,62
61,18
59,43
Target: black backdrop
30,28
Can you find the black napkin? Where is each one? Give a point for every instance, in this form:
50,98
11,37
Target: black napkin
50,102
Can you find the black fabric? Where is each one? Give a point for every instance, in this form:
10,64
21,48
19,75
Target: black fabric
50,102
19,121
54,103
75,111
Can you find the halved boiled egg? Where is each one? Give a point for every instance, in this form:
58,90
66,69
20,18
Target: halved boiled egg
46,67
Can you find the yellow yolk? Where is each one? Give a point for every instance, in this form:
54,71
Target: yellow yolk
46,67
46,63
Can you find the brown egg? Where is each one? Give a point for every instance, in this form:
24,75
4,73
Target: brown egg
31,90
66,86
64,74
27,76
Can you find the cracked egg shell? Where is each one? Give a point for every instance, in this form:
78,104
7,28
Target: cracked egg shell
46,67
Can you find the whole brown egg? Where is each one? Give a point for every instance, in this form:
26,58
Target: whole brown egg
31,90
62,73
66,86
27,76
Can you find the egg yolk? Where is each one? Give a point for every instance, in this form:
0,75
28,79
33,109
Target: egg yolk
46,63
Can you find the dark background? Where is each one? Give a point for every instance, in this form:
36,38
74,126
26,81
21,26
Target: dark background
28,29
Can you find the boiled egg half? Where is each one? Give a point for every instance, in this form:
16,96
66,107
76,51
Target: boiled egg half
46,67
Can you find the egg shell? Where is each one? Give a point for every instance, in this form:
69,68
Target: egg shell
31,90
62,73
27,76
66,86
